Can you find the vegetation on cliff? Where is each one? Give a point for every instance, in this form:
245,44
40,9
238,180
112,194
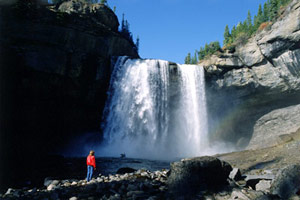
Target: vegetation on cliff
240,34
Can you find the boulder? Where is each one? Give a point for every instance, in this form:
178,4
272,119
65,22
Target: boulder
248,194
125,170
263,185
286,182
9,191
253,180
235,174
48,181
51,187
198,174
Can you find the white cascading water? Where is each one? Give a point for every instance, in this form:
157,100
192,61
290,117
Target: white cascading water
155,110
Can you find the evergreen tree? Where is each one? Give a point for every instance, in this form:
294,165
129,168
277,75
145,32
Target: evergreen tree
227,36
125,30
266,13
104,2
279,3
137,43
233,33
255,23
188,59
249,23
209,49
194,59
260,14
214,47
273,9
239,28
123,23
201,54
244,27
206,49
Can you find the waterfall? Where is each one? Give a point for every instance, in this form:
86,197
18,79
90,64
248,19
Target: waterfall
155,110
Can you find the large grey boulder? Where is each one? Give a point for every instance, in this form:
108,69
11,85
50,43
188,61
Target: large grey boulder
192,175
286,182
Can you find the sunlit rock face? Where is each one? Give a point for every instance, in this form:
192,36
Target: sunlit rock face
279,126
260,76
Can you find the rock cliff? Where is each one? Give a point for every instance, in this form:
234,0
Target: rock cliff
55,71
259,77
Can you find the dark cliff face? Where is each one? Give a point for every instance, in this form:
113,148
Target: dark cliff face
55,71
258,78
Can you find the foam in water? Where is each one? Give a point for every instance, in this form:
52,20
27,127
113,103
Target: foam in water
155,110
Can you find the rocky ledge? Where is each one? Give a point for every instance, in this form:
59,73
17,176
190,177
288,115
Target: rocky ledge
259,77
195,178
141,184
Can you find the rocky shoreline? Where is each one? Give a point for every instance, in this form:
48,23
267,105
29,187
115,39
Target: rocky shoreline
194,178
141,184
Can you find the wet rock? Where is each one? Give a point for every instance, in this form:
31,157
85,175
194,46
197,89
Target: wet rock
32,190
115,197
55,182
67,184
9,191
48,181
197,174
125,170
74,183
131,187
51,187
137,193
286,182
263,185
245,194
235,174
252,180
54,195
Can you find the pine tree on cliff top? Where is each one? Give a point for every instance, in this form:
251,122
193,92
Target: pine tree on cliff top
249,23
227,36
266,13
273,9
187,59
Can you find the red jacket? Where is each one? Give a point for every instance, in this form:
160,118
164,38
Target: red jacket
90,160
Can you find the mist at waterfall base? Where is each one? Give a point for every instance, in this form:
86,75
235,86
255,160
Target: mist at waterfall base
156,110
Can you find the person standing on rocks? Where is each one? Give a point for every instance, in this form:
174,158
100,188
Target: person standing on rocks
91,165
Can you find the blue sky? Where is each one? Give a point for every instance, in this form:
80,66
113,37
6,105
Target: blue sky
169,29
